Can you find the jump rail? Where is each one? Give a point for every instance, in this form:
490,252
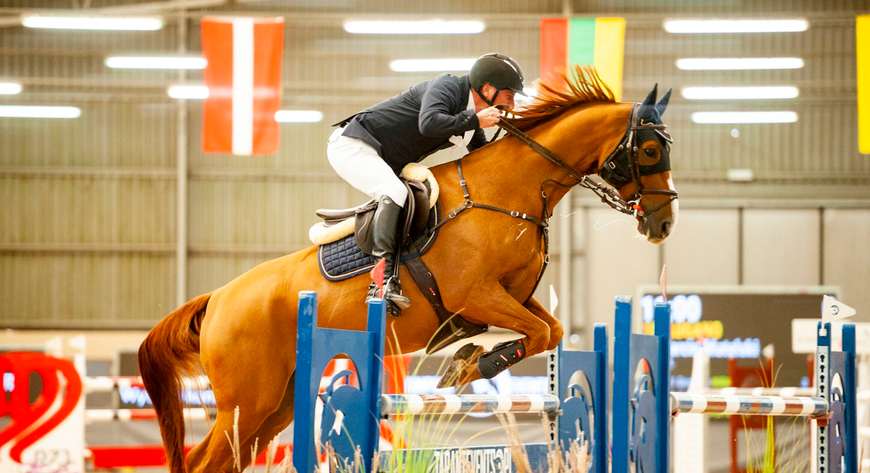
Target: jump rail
642,403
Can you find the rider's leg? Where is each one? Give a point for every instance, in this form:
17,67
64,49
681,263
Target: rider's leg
361,166
386,243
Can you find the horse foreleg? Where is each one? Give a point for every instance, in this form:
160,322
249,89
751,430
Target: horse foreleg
493,305
556,329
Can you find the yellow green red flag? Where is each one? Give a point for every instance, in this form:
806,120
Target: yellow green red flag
862,35
599,42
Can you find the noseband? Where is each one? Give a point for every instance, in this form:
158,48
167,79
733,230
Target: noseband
620,168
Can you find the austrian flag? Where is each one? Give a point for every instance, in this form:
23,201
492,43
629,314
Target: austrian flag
243,77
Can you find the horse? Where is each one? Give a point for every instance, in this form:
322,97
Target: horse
243,335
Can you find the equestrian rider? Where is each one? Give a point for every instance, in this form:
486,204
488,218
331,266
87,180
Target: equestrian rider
370,148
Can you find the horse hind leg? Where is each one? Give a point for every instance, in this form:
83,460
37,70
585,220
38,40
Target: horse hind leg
272,425
217,453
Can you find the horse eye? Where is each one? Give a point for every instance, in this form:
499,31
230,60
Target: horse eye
649,152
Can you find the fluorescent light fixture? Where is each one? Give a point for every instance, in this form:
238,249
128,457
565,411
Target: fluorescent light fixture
745,117
34,111
742,93
93,23
738,63
432,65
414,27
156,62
298,116
741,175
735,26
10,88
188,92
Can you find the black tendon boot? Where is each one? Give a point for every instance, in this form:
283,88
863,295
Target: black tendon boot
385,245
502,356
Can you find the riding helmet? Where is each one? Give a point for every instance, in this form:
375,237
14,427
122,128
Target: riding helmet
498,70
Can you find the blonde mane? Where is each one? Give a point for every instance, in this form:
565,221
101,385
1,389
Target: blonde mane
554,98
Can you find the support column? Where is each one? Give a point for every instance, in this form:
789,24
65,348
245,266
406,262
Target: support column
181,177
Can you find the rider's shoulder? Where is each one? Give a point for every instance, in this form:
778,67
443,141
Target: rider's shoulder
446,81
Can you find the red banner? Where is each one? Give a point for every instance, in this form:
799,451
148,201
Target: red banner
243,77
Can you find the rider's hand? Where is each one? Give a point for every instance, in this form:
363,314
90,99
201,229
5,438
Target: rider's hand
488,117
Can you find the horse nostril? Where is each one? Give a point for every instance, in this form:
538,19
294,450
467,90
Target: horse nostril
666,227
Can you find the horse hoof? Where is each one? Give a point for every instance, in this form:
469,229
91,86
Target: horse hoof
463,359
451,376
468,351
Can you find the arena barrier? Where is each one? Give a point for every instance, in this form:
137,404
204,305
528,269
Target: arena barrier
642,404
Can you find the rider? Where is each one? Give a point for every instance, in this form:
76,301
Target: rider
370,148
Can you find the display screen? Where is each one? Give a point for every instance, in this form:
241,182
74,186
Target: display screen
735,325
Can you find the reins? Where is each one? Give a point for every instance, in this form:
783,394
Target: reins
608,194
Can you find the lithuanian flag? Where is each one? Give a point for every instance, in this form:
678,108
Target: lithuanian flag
862,34
598,42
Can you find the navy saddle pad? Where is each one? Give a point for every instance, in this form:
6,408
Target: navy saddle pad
342,259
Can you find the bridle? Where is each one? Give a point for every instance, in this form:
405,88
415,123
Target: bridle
621,166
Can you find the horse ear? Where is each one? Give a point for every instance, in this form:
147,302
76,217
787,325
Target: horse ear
648,104
662,104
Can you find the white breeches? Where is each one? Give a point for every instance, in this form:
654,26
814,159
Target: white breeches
361,166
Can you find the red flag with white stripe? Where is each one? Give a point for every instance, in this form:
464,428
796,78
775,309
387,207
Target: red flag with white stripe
243,77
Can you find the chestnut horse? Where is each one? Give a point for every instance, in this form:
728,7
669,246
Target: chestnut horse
487,265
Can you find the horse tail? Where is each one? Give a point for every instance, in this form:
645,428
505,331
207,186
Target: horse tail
169,351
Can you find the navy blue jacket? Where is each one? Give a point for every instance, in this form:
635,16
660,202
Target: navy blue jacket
417,122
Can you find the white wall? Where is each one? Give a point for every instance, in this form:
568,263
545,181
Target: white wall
726,245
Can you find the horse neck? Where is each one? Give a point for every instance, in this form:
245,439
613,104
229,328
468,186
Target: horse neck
510,173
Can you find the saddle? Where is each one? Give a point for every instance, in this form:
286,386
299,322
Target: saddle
415,221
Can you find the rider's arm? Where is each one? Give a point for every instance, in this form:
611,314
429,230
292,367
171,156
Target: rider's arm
436,120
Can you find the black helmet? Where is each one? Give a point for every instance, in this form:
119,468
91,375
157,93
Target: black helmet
498,70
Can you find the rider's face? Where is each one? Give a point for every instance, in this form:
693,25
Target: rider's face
505,97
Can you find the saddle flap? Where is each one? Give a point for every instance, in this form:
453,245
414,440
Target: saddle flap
336,215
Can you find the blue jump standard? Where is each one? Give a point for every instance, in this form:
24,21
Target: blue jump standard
641,409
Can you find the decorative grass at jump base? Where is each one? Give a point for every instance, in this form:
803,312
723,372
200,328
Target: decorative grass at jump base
575,460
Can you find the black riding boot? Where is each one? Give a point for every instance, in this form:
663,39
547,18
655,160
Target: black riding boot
385,233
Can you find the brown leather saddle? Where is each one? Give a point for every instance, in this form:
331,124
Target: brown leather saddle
415,221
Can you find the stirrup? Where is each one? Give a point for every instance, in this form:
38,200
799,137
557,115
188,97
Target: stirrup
395,300
393,293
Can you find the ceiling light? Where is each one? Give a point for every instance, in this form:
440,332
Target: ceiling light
432,65
738,63
188,92
729,93
156,62
414,27
744,117
34,111
735,26
10,88
298,116
93,23
741,175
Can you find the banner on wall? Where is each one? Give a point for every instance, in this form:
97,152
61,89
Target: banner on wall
599,42
862,35
45,435
243,77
